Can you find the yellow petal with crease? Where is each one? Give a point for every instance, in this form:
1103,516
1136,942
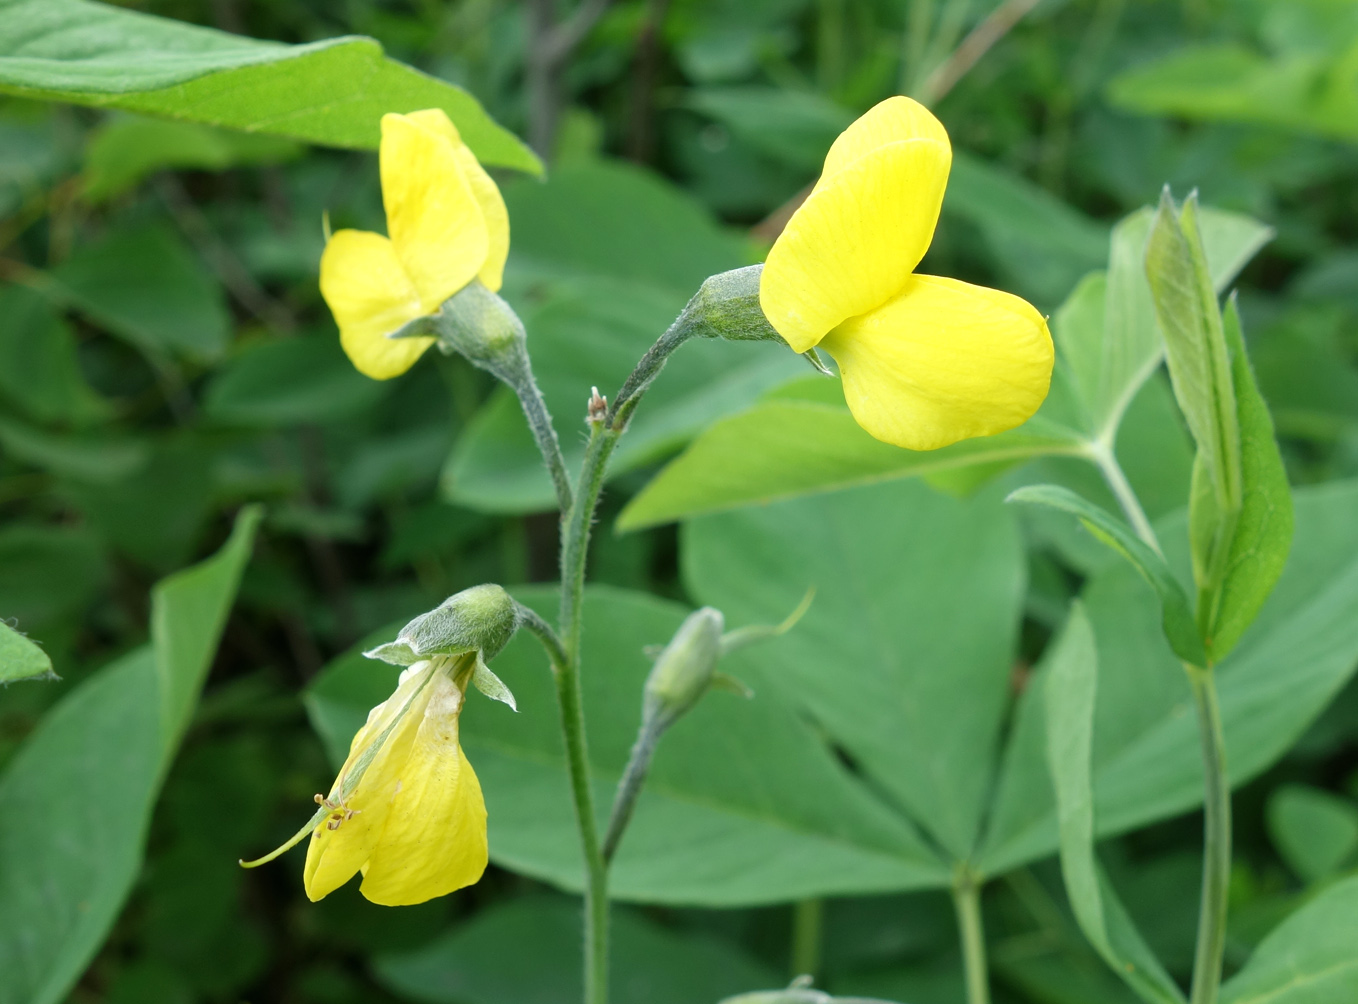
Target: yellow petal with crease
891,121
335,856
484,191
943,361
370,295
433,218
435,838
854,242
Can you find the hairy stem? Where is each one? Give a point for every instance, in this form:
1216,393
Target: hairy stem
577,523
633,778
574,550
544,434
1216,865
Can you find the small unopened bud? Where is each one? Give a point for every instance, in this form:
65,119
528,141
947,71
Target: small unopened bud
597,409
684,669
480,619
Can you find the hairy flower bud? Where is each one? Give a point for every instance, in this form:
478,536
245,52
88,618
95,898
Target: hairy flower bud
684,669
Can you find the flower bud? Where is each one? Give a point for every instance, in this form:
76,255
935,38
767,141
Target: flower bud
684,669
480,619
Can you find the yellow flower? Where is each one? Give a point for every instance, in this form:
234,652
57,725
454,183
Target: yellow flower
925,360
447,225
406,809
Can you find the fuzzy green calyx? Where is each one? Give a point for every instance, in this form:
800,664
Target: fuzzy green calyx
480,619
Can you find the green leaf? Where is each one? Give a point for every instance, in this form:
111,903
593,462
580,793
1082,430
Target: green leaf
1176,613
1294,659
21,659
129,148
793,127
1315,831
586,332
39,371
1109,350
1040,243
904,657
331,92
1308,959
76,800
481,961
1228,82
1071,669
48,573
606,218
145,285
1200,370
783,448
1263,530
744,802
290,381
92,458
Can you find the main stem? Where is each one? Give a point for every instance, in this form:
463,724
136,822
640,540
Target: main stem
1216,865
574,549
1216,838
966,897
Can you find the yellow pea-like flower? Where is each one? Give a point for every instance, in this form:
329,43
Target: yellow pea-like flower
447,225
926,361
406,809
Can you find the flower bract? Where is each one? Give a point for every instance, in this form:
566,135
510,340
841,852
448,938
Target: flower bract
926,361
447,225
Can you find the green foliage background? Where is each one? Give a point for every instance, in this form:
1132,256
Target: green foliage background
166,359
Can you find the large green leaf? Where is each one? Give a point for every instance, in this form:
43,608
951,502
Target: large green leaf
331,92
481,962
1288,666
1069,690
76,800
1309,959
784,448
905,655
744,802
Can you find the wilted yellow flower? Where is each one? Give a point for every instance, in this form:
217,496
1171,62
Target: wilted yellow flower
925,360
406,809
447,225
